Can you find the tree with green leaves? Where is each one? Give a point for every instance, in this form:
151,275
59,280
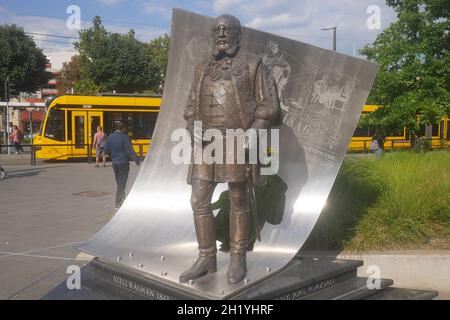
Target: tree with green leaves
70,80
413,54
21,61
114,62
159,52
68,77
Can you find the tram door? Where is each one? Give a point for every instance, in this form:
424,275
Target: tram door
79,129
84,127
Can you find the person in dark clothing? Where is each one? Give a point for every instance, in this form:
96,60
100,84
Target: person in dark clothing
3,173
381,140
118,146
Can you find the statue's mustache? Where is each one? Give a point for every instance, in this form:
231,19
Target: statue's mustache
223,41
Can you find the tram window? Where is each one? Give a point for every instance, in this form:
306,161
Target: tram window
111,118
95,122
143,124
55,125
361,132
365,131
108,123
435,130
448,130
395,132
79,132
140,124
421,131
69,125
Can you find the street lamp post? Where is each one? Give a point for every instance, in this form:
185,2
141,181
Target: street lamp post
334,36
7,115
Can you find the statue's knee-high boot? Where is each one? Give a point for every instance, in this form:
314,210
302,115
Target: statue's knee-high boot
239,230
206,236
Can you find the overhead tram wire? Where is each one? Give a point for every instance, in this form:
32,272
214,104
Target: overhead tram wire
50,35
301,35
123,22
34,34
58,49
53,41
159,25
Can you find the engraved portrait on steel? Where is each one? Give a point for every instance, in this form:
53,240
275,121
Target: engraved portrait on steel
232,89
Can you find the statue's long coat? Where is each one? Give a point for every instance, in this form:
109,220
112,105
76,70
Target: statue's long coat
257,104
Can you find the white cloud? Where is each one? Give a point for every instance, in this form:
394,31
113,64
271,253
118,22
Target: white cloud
144,34
62,49
58,57
111,2
59,49
272,7
303,19
203,5
222,5
288,19
158,8
295,19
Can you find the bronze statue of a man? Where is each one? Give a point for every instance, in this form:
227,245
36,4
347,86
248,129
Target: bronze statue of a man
230,90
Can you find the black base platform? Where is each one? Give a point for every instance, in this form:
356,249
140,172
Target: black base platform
308,278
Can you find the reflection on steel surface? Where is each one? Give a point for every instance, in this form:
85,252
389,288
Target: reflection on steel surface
322,95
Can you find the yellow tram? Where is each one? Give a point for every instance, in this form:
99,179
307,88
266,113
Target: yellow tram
71,122
398,138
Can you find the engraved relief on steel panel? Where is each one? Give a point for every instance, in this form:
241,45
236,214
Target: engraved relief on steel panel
313,99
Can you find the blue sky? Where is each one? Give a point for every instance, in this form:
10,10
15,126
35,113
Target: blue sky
295,19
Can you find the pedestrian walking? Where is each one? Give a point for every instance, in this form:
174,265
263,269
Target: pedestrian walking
99,146
381,140
10,135
16,137
3,173
118,146
375,148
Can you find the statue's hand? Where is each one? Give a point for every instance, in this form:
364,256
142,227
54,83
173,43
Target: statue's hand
261,124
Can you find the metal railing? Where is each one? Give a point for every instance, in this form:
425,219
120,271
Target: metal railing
388,145
33,148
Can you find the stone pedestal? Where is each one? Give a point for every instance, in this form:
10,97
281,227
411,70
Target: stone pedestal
309,278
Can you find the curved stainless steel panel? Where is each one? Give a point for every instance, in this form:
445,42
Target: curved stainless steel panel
322,96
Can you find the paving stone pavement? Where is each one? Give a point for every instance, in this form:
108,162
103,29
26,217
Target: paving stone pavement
42,215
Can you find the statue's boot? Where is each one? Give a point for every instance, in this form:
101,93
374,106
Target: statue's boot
206,236
239,229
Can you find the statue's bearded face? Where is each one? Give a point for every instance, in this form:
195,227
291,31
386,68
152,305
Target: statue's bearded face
226,34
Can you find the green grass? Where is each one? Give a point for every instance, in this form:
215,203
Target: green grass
401,201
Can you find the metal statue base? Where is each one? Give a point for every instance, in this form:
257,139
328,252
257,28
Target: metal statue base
324,278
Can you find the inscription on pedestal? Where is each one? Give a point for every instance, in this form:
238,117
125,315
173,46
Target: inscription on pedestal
140,289
296,294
